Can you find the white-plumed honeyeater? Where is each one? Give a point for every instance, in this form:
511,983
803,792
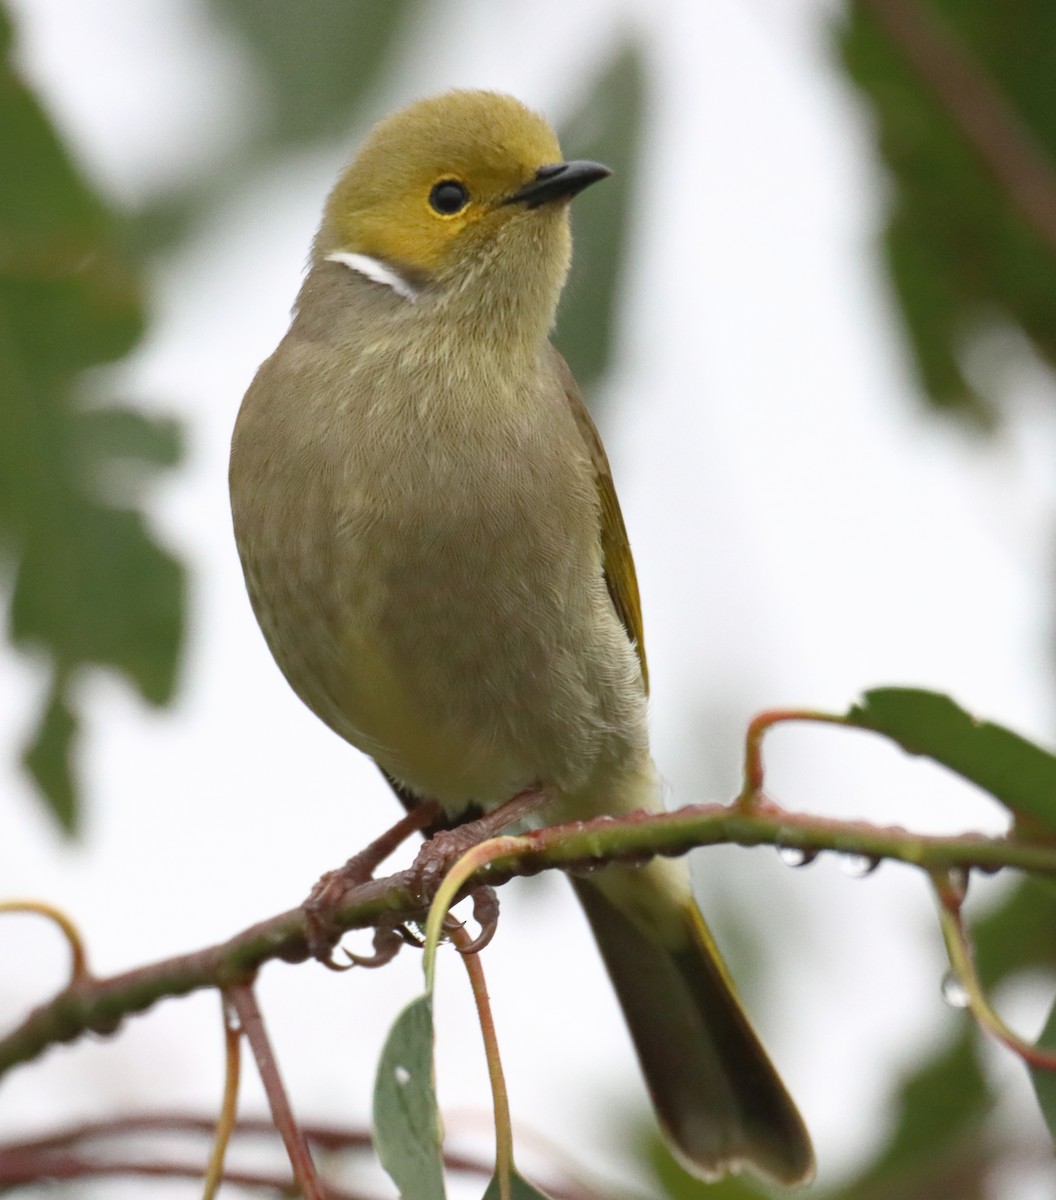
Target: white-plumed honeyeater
434,549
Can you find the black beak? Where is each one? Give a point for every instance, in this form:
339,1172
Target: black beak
558,181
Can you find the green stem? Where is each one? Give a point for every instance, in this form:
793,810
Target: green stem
962,963
454,881
638,836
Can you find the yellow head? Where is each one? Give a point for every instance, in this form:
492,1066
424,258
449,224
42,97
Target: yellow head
465,186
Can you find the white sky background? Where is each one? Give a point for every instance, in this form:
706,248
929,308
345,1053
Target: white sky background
801,530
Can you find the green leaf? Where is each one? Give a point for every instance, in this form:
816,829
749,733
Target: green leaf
92,586
98,589
407,1128
962,257
122,433
608,128
1045,1081
1018,773
520,1189
1018,935
47,758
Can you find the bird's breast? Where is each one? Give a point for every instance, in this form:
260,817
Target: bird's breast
440,599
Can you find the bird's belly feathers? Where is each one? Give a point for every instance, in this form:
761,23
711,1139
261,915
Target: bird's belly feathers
450,620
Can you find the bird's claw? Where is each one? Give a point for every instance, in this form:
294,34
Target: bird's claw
389,940
486,914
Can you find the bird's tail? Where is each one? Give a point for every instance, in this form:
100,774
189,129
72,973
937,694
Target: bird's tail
718,1097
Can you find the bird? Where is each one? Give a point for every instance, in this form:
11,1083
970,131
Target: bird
433,547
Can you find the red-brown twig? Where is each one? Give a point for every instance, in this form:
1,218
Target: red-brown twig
751,796
244,1000
40,1168
499,1096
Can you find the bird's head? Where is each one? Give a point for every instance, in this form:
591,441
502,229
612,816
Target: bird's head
462,197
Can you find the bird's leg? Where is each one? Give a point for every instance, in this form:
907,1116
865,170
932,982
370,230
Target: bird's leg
446,847
329,890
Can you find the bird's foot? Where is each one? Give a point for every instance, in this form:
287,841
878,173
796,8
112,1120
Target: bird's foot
445,848
330,890
389,940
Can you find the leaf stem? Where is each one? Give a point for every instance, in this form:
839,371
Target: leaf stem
78,954
453,882
225,1125
500,1099
751,796
962,963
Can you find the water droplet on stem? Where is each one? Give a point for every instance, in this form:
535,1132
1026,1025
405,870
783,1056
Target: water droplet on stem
954,992
794,856
958,880
857,866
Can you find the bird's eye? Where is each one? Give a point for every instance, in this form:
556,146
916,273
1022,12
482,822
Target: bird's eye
448,197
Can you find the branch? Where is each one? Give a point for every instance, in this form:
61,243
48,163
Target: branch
92,1005
31,1170
88,1149
1001,138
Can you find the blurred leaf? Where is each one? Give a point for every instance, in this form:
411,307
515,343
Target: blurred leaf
1018,935
317,58
1045,1081
940,1144
1021,935
607,128
122,433
95,588
315,62
941,1110
47,758
962,257
1017,772
520,1189
91,584
407,1130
